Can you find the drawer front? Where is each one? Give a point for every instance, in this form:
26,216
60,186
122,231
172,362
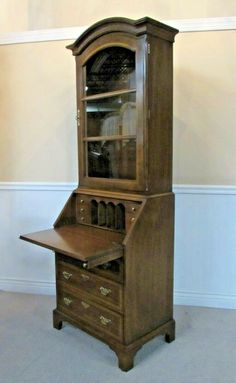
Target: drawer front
129,220
132,207
83,209
106,291
74,305
131,214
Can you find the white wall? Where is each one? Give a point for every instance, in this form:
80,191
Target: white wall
38,142
21,15
205,241
38,104
24,267
205,246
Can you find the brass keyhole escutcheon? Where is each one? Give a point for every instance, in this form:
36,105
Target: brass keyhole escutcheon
84,277
66,275
104,291
85,305
67,301
104,321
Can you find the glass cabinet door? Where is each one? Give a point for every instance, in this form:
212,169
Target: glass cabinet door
109,104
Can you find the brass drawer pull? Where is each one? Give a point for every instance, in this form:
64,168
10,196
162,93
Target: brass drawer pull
66,275
85,305
104,291
104,321
67,301
85,277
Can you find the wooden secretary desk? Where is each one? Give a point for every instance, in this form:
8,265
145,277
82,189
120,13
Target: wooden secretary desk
113,240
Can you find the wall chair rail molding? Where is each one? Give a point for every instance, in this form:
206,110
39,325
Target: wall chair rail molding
71,33
38,186
205,189
69,186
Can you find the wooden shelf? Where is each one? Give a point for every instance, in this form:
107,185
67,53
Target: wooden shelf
109,138
108,94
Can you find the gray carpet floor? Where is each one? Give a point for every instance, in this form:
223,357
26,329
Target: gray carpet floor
31,351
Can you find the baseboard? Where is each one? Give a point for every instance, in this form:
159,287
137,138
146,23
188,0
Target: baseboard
71,33
27,286
193,298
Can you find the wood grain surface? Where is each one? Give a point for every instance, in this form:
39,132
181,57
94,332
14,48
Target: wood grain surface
88,244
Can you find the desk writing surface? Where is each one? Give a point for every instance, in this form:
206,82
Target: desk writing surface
81,242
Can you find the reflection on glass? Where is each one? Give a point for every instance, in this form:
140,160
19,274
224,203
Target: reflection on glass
112,159
111,116
111,69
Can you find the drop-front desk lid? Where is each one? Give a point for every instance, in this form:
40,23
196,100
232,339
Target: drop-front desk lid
91,245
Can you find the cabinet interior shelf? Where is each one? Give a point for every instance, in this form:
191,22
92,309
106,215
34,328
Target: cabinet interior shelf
110,138
108,94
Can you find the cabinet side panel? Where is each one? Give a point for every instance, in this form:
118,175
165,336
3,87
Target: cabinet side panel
149,269
160,105
67,215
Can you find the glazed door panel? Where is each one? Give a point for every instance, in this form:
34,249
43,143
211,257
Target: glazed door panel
111,99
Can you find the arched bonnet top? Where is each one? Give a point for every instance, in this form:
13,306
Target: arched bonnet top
143,26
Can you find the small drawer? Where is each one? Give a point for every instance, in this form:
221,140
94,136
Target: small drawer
82,200
131,214
83,209
130,219
79,308
132,207
106,291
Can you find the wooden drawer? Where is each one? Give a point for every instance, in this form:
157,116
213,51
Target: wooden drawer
131,214
79,308
83,209
106,291
132,207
